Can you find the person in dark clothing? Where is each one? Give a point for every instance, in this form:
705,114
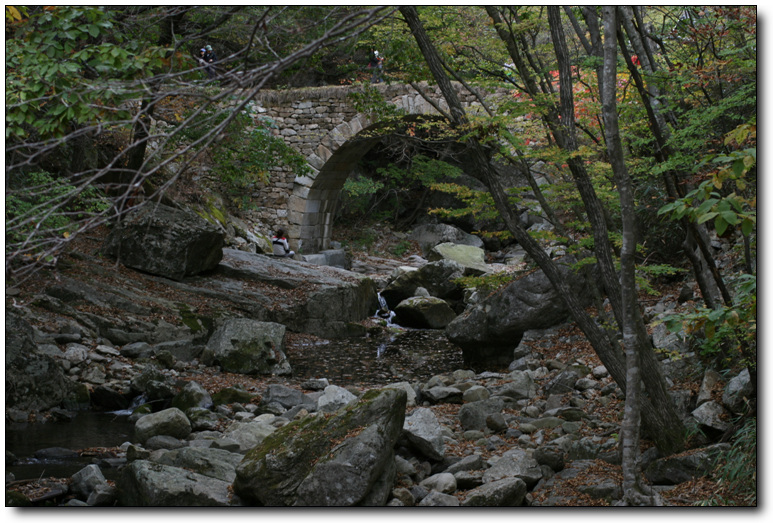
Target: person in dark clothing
209,61
377,64
281,246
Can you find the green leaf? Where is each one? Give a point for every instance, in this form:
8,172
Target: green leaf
746,227
730,217
706,217
720,225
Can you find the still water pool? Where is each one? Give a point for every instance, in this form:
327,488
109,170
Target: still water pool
88,430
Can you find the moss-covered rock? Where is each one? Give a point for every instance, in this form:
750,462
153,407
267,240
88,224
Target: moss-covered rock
344,459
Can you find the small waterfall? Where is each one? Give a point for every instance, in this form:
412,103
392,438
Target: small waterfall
136,402
383,311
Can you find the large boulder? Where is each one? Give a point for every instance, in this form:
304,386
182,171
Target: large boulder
424,313
326,301
343,459
490,330
166,241
438,278
432,234
33,380
146,484
473,259
679,468
168,422
215,463
247,346
424,432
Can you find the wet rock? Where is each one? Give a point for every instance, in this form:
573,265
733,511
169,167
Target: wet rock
56,453
105,397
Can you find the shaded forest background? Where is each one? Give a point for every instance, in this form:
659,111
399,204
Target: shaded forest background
635,130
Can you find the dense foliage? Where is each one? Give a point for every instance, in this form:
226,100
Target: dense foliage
83,85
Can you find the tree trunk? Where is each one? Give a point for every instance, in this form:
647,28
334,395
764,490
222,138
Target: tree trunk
660,416
668,420
657,114
633,492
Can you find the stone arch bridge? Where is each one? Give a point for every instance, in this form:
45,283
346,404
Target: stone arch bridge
325,127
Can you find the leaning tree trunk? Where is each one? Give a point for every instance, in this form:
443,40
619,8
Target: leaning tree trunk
668,426
657,415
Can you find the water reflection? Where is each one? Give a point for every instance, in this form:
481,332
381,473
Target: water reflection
89,430
403,355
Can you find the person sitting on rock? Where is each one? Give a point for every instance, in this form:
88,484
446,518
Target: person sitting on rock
281,247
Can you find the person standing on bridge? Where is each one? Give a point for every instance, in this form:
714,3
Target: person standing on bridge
377,64
281,246
209,61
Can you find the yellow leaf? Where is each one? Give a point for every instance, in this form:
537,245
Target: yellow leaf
13,12
66,234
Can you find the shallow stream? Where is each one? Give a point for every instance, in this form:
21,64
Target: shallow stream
403,355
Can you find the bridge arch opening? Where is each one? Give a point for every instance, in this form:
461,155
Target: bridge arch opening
315,200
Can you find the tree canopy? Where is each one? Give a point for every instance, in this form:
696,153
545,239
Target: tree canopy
635,129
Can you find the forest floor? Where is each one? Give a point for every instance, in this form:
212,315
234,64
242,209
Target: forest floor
696,492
